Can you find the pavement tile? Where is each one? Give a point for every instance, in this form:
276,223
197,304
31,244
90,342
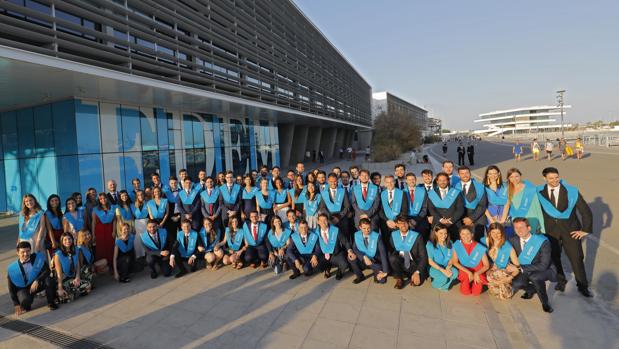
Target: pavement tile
332,331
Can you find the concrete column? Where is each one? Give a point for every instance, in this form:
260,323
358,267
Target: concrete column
339,142
285,133
299,144
327,142
313,139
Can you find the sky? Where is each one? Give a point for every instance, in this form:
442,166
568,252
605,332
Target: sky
462,58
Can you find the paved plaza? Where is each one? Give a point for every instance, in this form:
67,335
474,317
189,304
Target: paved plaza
257,309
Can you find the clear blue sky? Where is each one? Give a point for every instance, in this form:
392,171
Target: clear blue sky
462,58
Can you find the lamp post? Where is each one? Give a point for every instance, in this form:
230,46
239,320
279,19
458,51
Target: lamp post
560,100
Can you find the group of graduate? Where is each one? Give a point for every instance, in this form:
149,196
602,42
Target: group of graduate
504,233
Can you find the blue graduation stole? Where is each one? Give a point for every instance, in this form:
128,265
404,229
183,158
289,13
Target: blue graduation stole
77,223
393,211
441,255
86,253
26,232
287,225
311,207
445,203
106,217
370,249
132,195
281,197
125,246
246,195
281,242
502,256
168,191
528,195
150,243
406,244
365,205
125,213
265,203
235,244
336,205
210,199
187,199
158,212
140,213
415,206
454,181
66,262
572,199
229,197
17,274
531,248
209,246
329,246
472,260
187,251
262,230
307,248
301,198
498,198
479,194
54,221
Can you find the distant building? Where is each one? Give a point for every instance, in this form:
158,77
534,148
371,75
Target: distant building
387,102
545,118
435,126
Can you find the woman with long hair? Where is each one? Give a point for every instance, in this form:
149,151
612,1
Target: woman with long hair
265,200
277,241
211,238
74,218
140,215
235,246
470,258
86,256
70,284
498,200
104,232
282,199
504,262
124,211
31,223
158,209
440,251
523,201
248,197
124,254
53,223
311,205
297,194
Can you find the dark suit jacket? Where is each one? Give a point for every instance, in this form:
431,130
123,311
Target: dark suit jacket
379,258
455,211
110,198
205,208
193,209
233,207
358,211
345,206
419,253
478,214
470,149
342,244
403,209
540,268
556,226
176,245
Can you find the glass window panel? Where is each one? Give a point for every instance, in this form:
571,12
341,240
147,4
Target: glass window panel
188,131
43,130
148,126
198,133
164,164
199,163
13,184
133,168
131,128
211,170
65,140
87,127
2,188
68,171
189,160
25,133
162,129
46,177
111,127
9,134
113,168
252,145
91,172
274,134
150,164
172,165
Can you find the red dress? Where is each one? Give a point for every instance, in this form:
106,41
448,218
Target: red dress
104,236
465,284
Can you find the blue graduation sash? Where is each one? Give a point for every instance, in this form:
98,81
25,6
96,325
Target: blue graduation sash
77,223
246,195
406,244
19,278
54,221
502,256
479,194
572,199
327,247
187,251
441,255
105,217
238,239
446,203
209,246
369,250
472,260
229,197
158,212
333,206
392,212
301,198
311,207
365,205
25,233
150,243
282,239
187,199
125,246
531,248
66,262
265,203
498,198
140,213
210,199
528,195
454,181
287,225
307,248
168,191
415,207
125,213
262,230
281,197
86,253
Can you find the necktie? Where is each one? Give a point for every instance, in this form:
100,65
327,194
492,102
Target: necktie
115,197
325,237
464,188
406,255
366,240
522,243
443,193
156,239
255,232
210,206
365,193
553,198
332,194
390,197
412,194
186,241
428,188
304,239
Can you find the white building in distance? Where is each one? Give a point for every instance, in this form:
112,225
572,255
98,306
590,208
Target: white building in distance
541,118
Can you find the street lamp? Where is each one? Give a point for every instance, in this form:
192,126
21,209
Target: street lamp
560,100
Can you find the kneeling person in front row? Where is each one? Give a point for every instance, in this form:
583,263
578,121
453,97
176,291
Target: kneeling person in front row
333,248
370,253
124,255
29,275
154,240
409,258
255,232
302,252
187,249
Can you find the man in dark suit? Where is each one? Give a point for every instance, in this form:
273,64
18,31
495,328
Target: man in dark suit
230,203
409,259
461,150
335,203
188,203
399,175
417,206
210,203
446,206
365,200
560,203
334,248
475,202
302,252
370,253
534,254
112,195
470,152
393,203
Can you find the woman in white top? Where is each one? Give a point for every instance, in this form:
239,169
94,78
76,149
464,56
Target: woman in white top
549,147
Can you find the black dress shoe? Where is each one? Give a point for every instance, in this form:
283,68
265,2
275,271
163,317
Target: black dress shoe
585,292
327,274
153,274
547,308
527,295
339,275
52,306
180,274
560,286
358,280
294,275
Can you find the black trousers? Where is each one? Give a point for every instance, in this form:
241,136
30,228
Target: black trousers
573,250
153,260
256,254
183,263
358,266
471,159
531,283
124,263
172,228
398,270
23,297
460,158
335,260
304,259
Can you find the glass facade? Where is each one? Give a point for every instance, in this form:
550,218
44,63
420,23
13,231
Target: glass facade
71,145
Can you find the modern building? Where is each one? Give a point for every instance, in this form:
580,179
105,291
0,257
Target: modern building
387,102
435,126
543,118
95,90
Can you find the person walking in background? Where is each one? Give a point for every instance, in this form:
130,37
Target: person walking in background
579,148
444,148
517,150
535,149
563,148
367,153
470,151
461,150
549,147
